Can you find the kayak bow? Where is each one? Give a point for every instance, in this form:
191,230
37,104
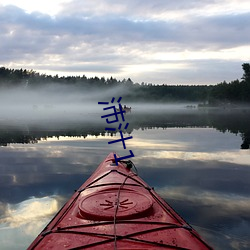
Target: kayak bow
116,209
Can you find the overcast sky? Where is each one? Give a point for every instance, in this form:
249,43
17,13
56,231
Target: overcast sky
154,41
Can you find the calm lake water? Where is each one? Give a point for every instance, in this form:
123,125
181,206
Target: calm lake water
197,160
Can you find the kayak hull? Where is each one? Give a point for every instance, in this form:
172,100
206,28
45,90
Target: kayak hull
116,209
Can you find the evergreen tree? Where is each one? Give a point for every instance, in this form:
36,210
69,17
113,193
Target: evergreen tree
246,69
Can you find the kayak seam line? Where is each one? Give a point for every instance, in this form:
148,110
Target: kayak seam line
110,184
128,237
173,212
121,236
114,170
120,222
44,233
166,208
99,178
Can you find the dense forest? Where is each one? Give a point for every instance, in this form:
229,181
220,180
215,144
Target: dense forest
234,92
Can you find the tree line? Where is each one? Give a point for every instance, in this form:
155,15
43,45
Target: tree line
236,91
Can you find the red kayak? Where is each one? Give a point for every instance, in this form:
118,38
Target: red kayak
116,209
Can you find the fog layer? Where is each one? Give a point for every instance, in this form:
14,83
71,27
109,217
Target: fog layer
61,102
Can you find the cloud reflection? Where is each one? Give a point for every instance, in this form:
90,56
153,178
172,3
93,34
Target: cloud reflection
234,156
228,203
22,222
28,212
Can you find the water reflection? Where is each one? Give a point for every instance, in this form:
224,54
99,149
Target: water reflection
20,222
29,210
234,121
192,160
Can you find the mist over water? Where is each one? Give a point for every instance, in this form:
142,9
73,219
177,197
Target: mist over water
56,102
60,102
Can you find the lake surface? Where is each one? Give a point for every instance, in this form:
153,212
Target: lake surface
198,160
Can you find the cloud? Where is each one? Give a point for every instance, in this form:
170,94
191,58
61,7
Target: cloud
115,38
115,30
147,9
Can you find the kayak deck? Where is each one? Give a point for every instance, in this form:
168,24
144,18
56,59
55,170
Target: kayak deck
116,209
